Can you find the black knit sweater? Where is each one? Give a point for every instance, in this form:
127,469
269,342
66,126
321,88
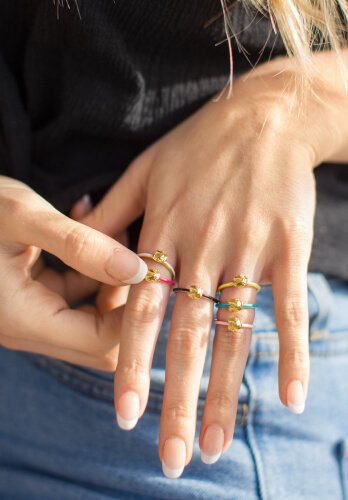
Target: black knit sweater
80,97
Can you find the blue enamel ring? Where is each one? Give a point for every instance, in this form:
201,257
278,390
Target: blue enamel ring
235,305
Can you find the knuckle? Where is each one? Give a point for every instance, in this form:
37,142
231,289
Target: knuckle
235,343
76,241
135,370
221,401
296,231
294,312
178,410
187,341
296,357
144,309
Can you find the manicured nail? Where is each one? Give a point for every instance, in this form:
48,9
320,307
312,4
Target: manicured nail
213,442
128,410
87,203
82,207
132,271
295,395
140,275
174,457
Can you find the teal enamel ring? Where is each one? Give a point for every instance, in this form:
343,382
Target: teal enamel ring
235,305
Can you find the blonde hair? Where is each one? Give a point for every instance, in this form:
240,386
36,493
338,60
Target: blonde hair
305,26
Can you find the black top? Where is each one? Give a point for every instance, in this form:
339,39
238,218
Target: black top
81,97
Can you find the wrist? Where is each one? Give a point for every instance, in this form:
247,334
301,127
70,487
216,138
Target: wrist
317,120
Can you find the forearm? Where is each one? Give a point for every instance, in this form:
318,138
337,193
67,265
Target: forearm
325,120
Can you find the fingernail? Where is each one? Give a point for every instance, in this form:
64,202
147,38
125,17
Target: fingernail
295,395
131,266
128,410
213,442
87,202
140,275
174,457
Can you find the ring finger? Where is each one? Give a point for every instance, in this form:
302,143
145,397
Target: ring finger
230,353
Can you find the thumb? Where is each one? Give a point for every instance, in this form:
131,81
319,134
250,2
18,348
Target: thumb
124,201
28,219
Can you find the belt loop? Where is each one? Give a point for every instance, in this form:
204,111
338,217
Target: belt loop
320,288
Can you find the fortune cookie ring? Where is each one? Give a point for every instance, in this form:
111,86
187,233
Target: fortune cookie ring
234,324
195,292
235,305
161,258
154,276
240,281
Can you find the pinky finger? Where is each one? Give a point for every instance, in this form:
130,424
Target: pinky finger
291,312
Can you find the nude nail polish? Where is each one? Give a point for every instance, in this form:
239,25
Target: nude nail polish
174,457
213,442
295,396
128,410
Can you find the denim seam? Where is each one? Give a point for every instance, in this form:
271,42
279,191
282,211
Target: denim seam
52,367
321,291
249,430
342,456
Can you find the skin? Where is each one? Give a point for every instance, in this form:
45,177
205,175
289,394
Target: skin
47,325
242,173
242,168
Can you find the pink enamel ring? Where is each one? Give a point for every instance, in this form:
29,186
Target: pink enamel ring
234,324
154,276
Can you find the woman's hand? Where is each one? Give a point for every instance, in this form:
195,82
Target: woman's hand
229,191
34,300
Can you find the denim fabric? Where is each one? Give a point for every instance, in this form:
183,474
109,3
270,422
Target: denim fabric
59,439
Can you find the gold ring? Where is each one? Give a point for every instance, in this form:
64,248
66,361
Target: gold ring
195,292
161,258
240,281
234,324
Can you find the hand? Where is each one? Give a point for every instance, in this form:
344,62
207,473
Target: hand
229,191
34,308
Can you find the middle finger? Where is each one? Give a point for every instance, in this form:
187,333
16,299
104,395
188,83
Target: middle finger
230,352
186,350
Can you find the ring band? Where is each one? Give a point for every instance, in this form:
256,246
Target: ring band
234,324
161,258
195,292
153,276
240,281
235,305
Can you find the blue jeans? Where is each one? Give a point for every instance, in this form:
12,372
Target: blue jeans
59,439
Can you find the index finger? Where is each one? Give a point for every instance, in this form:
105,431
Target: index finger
141,324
